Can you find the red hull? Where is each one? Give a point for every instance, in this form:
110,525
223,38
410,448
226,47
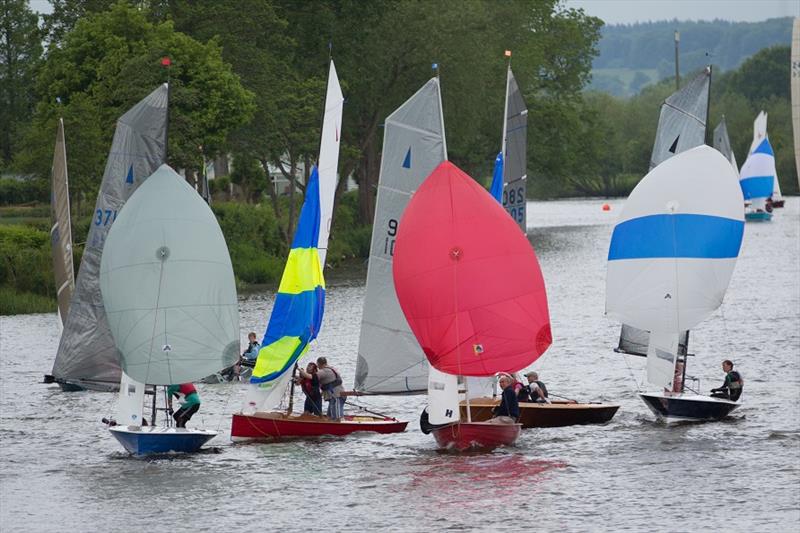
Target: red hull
465,436
267,426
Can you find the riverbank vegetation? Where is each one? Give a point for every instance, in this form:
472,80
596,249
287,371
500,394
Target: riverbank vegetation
247,81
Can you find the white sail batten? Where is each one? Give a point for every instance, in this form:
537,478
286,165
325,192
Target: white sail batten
329,158
61,228
168,286
389,357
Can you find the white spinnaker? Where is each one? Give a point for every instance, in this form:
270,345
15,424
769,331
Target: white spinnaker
795,73
673,294
329,159
167,285
759,130
390,359
443,404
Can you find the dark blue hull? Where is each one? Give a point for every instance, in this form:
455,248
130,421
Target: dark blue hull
146,441
687,407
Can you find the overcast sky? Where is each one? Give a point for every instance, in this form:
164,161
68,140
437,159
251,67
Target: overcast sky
628,11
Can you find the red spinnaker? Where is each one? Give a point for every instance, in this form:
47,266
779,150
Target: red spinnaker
468,280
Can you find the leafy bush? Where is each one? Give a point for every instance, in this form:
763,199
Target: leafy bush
25,260
14,191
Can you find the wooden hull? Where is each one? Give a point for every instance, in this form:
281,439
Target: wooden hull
466,436
543,415
268,426
154,440
687,407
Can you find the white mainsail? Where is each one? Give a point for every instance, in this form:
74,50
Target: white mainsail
796,93
673,252
168,287
389,357
61,228
86,353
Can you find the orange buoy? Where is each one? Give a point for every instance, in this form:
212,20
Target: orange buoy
606,207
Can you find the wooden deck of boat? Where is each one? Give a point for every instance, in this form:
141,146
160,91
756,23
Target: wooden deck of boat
559,413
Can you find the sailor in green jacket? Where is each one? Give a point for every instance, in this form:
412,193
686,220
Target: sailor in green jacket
190,402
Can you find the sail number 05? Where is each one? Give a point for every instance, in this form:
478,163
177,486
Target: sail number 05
391,233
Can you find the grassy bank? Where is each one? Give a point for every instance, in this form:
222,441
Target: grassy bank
257,248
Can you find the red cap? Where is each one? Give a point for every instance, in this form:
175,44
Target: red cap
165,61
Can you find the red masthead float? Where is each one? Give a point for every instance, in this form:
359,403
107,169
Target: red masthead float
470,286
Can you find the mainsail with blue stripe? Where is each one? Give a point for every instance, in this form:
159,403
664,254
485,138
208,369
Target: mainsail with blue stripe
296,316
672,253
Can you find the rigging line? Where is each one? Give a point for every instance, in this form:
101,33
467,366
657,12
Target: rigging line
630,371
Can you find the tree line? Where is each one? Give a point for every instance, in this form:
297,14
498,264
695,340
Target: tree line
248,78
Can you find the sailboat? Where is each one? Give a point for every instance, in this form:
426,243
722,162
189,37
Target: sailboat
87,357
722,143
757,178
795,72
296,317
681,126
670,261
390,360
470,286
510,170
170,297
775,199
508,188
61,228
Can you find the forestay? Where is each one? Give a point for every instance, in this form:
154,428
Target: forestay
672,253
682,122
167,285
61,228
389,357
509,178
86,350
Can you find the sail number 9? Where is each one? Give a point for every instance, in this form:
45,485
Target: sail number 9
391,233
104,217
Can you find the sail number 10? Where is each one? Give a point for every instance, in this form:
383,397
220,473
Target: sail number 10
391,233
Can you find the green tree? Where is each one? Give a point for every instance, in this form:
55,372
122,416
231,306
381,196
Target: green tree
110,61
20,52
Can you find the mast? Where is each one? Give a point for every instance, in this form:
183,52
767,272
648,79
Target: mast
505,113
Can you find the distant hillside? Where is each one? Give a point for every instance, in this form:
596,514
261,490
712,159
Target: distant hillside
635,55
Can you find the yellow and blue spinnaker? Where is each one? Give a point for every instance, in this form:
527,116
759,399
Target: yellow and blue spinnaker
297,314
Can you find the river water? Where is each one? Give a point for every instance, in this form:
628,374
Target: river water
61,470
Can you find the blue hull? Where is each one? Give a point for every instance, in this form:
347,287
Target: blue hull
161,440
687,408
760,216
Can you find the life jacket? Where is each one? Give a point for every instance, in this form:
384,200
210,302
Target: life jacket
543,387
186,389
333,384
736,380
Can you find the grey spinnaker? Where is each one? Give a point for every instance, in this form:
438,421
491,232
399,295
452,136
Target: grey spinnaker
61,227
633,341
682,123
723,143
389,357
515,167
86,353
167,285
681,126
